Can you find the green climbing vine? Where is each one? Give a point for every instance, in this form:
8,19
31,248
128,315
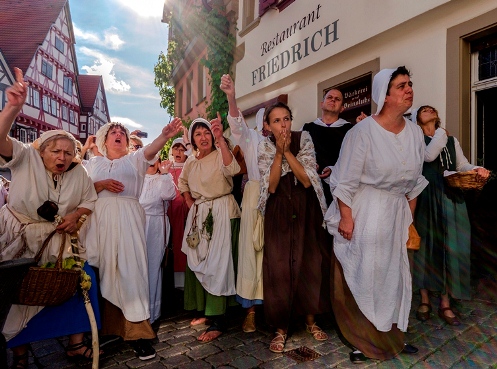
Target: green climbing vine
214,27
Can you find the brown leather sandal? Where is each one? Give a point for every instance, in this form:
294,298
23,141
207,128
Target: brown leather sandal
449,320
423,315
277,344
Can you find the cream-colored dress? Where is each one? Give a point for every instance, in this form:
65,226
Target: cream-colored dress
22,230
249,274
210,182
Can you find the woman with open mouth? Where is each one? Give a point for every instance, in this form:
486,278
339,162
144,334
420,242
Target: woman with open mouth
115,237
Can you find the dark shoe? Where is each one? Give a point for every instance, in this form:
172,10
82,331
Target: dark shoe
423,316
143,349
448,320
357,357
409,349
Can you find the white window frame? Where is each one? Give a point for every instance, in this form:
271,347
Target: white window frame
45,68
59,44
476,86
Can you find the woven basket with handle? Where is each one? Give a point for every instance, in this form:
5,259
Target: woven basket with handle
465,181
48,286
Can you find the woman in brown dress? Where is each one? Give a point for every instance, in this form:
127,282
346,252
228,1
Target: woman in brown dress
296,262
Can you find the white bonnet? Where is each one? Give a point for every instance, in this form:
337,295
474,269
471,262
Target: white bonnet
45,136
102,134
195,121
380,87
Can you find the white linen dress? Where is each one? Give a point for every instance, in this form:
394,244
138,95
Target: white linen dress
157,190
249,274
376,174
115,235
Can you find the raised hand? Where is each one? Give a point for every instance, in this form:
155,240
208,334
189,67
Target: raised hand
227,85
185,135
164,166
170,130
16,94
217,127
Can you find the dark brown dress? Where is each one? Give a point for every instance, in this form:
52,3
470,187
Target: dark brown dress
296,266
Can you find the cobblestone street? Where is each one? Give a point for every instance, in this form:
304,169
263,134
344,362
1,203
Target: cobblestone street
473,344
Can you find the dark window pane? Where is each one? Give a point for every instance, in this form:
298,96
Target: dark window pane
487,63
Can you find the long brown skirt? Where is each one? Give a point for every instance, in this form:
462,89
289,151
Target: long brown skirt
114,323
356,328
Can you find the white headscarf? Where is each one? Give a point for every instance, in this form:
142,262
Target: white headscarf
195,121
380,87
259,119
102,133
45,136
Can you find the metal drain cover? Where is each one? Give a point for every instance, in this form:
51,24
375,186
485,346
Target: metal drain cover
302,354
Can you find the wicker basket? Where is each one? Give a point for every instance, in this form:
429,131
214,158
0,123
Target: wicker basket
465,181
48,286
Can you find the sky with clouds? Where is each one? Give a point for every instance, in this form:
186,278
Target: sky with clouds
121,41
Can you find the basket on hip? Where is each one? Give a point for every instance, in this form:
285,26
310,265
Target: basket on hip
465,181
48,286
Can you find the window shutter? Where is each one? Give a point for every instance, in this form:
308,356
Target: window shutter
264,5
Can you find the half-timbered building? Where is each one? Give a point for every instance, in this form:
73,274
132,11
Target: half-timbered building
38,38
94,110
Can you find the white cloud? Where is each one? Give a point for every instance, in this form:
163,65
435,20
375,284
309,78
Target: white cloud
130,124
104,66
144,8
110,40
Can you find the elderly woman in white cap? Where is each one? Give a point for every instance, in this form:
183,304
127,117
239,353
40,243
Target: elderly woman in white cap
375,185
45,182
115,236
249,275
209,243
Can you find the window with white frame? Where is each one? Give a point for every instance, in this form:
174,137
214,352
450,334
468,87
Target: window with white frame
83,127
54,108
46,69
46,103
68,85
71,116
64,113
22,135
59,44
32,136
35,97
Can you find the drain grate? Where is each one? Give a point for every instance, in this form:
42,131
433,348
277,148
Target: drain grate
302,354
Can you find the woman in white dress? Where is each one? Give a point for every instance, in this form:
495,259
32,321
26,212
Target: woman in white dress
249,274
158,189
375,185
115,237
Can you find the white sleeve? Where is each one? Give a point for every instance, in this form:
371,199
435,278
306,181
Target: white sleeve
435,147
462,164
239,129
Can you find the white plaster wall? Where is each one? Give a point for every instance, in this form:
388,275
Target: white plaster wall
418,43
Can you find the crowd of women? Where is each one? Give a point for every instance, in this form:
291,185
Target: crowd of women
275,251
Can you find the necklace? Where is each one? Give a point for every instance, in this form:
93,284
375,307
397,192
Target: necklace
57,182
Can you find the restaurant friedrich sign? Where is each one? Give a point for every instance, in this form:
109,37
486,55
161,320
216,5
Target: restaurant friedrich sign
299,50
